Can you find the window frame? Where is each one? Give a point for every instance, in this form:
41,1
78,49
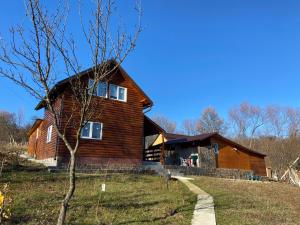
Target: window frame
118,93
49,134
91,131
97,88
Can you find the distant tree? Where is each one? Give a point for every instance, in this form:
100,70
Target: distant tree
190,127
275,121
210,121
168,125
246,120
8,127
293,117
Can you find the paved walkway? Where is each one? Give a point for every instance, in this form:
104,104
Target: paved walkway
204,213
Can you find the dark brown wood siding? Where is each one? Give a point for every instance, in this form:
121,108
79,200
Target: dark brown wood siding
122,132
235,158
37,146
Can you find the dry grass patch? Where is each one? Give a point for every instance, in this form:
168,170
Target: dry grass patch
129,199
239,202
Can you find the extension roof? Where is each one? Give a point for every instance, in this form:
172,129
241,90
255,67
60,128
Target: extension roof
35,125
180,139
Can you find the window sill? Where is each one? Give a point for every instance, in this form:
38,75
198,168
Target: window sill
88,138
105,97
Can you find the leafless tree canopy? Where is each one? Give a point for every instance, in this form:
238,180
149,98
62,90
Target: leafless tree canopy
210,122
190,127
168,125
37,49
12,128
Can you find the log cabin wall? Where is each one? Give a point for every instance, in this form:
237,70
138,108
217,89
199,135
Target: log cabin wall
232,157
122,132
33,142
38,147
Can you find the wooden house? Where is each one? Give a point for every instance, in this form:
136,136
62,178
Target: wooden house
210,150
114,136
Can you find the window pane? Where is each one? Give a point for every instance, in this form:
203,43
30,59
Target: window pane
113,91
102,89
96,130
90,87
121,93
85,132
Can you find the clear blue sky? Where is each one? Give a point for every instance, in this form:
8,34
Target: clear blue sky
194,54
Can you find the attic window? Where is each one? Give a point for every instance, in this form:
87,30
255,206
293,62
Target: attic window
100,90
117,92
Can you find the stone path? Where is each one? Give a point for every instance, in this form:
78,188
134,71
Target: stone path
204,213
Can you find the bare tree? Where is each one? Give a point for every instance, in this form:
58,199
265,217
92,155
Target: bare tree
190,127
8,127
168,125
275,121
247,119
210,121
293,117
33,57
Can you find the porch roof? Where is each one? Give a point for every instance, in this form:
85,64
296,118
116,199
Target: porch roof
207,137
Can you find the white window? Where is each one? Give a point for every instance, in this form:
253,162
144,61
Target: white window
37,133
117,92
49,134
92,130
100,90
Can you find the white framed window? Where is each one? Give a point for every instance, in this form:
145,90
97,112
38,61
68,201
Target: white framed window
49,134
37,133
100,90
92,130
117,92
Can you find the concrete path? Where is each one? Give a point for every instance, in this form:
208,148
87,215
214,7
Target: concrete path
204,213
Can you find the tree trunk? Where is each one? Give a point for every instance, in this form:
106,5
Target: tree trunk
65,203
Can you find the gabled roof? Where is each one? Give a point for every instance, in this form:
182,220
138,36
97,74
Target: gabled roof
151,128
180,139
35,125
59,86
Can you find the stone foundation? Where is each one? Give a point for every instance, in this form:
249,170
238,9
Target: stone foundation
212,172
93,163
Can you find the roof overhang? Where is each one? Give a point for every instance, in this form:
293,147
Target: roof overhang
151,128
205,137
35,125
59,86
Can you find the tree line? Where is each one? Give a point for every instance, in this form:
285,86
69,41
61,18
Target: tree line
273,130
13,129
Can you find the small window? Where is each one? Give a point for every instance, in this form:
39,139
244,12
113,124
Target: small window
49,134
37,133
117,92
92,130
215,148
113,91
122,92
100,90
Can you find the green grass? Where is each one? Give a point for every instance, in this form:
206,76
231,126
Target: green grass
251,203
129,199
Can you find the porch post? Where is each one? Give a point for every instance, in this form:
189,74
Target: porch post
162,152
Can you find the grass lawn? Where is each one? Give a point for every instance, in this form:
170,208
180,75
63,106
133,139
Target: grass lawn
245,203
129,199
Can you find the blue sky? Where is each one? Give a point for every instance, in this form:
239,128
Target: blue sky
194,54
